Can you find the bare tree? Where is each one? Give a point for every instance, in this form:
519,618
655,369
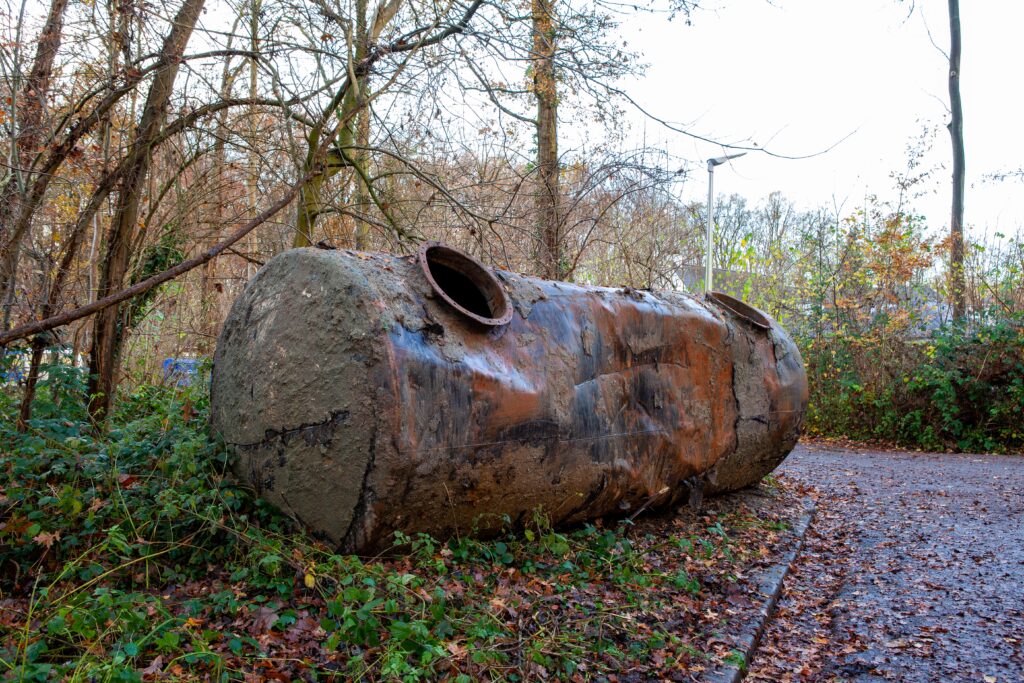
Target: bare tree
398,32
28,106
545,45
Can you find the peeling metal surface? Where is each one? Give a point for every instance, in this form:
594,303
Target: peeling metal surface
363,400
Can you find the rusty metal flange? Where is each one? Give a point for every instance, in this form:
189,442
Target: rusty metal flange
465,284
740,309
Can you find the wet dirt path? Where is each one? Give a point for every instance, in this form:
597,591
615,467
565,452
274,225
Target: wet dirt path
913,570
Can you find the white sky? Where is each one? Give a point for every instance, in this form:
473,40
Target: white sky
798,75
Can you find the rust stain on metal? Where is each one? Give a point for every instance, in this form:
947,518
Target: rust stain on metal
450,398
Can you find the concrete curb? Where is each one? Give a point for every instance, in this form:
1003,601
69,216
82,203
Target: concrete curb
771,584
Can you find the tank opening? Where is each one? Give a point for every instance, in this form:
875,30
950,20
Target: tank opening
740,309
465,284
461,289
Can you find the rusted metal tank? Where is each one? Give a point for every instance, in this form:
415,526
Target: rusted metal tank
366,394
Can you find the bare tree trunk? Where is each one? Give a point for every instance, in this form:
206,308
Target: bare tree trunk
108,331
363,200
956,132
549,262
362,129
28,132
252,181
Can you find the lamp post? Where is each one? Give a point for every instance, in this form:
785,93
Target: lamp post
717,161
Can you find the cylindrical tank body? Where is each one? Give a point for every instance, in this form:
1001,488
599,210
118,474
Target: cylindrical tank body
366,394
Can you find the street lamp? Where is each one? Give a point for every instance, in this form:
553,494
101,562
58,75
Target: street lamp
717,161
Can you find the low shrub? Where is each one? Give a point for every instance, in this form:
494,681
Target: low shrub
959,389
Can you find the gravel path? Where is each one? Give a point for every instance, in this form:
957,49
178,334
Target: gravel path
913,571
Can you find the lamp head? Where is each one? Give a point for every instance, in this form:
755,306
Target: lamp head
718,161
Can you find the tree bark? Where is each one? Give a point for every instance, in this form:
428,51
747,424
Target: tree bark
549,263
362,130
107,333
252,179
363,201
956,132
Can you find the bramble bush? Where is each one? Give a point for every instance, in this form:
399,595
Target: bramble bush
958,389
